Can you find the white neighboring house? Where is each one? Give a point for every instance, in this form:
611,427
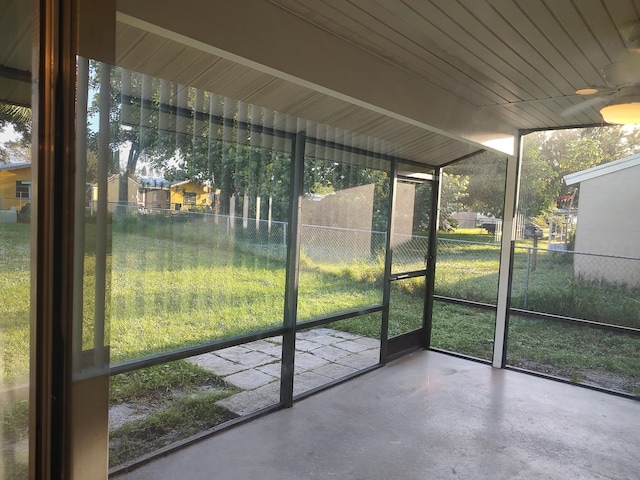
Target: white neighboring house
608,222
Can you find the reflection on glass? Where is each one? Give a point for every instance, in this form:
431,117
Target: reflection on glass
336,350
16,194
471,210
578,353
465,330
410,240
406,305
568,262
197,198
344,219
157,406
549,281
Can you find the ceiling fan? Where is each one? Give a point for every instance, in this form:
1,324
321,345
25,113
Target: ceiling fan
620,97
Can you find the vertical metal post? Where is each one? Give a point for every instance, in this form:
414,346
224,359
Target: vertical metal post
432,248
293,271
104,159
52,236
80,193
388,262
505,275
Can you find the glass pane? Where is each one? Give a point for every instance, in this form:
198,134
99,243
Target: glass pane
578,255
410,240
336,350
465,330
344,220
157,406
470,227
197,200
580,285
15,231
467,269
577,353
406,305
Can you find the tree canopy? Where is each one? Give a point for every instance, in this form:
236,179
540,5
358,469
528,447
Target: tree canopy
547,157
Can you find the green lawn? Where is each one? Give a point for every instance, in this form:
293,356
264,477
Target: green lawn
178,285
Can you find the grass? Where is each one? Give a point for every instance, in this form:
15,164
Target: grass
178,399
15,420
180,284
14,303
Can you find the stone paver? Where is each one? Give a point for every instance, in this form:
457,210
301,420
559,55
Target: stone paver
249,379
369,342
218,365
307,345
246,402
357,361
249,359
265,346
308,361
335,370
345,335
322,356
272,369
307,381
331,353
351,346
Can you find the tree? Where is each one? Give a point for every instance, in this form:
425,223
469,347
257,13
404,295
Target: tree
484,188
19,118
452,198
547,157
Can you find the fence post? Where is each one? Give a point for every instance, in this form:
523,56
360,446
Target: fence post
284,238
526,281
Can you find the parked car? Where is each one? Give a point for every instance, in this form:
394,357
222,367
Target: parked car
490,227
531,230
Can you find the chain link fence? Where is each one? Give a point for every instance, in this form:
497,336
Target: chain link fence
465,269
540,269
341,245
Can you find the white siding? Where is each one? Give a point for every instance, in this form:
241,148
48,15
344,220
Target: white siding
609,224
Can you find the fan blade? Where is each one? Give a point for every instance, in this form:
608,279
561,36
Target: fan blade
593,101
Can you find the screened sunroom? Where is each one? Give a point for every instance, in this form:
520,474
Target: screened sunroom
213,211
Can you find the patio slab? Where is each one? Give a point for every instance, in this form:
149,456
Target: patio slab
322,356
425,416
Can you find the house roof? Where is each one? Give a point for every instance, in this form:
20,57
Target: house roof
185,182
154,182
611,167
14,166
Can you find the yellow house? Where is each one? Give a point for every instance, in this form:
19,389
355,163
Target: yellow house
15,185
187,195
113,192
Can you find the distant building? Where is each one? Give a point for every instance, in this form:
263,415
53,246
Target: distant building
113,192
607,222
15,185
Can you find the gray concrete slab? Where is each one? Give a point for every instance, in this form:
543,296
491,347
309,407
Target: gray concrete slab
425,416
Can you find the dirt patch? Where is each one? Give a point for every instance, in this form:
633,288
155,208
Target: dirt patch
608,381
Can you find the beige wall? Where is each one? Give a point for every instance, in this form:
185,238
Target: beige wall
609,224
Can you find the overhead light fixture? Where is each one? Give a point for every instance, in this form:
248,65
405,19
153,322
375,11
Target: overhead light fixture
625,109
587,91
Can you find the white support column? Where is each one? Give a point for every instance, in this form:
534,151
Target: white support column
258,203
512,187
245,212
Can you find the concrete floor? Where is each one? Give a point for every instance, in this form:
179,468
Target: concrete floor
426,416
